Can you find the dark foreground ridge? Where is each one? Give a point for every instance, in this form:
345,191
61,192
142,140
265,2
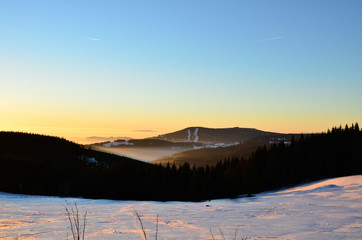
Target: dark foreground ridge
43,165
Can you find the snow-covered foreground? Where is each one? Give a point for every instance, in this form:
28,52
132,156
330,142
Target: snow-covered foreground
330,209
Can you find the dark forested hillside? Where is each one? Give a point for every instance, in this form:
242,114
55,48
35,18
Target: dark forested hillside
35,164
335,153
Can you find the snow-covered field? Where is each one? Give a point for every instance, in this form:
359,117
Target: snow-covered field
330,209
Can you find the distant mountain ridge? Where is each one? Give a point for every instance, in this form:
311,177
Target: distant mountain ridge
213,135
195,145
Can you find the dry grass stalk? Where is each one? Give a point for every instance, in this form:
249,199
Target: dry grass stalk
222,234
143,229
223,237
156,228
77,229
212,235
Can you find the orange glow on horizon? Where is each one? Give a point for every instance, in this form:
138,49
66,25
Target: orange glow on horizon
80,135
76,124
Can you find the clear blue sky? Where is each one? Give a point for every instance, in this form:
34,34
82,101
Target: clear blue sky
78,68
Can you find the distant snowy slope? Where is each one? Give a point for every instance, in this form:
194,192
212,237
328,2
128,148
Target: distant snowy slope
328,185
323,210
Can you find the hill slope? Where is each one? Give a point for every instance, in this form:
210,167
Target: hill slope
213,135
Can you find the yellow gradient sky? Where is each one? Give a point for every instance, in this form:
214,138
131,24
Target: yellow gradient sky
121,68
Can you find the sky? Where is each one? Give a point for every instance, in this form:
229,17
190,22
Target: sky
143,68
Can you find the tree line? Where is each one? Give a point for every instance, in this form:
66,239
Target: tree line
36,164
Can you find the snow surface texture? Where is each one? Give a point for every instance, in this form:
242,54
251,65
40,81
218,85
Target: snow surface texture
330,209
